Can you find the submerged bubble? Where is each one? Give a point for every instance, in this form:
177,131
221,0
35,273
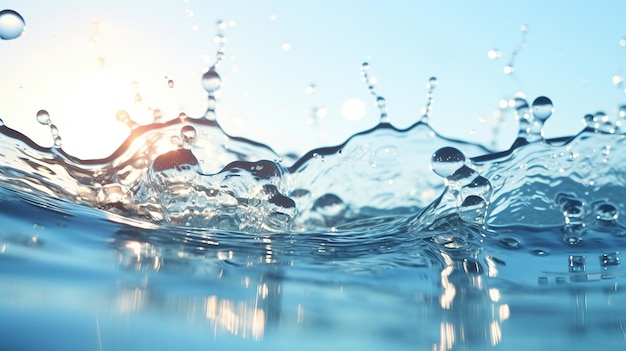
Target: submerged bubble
542,108
43,117
510,243
447,160
609,259
606,213
577,264
12,25
211,81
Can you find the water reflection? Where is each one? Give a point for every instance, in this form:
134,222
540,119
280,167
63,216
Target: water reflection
471,311
240,297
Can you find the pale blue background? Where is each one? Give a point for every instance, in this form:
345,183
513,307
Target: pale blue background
572,52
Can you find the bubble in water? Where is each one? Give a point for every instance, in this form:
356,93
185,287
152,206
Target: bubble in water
43,117
577,264
188,134
542,108
446,161
510,243
211,81
12,24
606,213
610,259
540,252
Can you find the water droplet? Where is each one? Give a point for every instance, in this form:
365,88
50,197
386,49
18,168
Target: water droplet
286,46
606,213
479,186
122,116
610,259
446,161
494,54
602,123
170,83
510,243
577,264
617,80
432,82
329,205
12,24
473,209
211,81
57,141
43,117
311,89
188,134
1,122
542,108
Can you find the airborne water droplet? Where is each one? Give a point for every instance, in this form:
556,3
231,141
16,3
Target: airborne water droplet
446,161
170,83
12,24
188,134
542,108
43,117
211,81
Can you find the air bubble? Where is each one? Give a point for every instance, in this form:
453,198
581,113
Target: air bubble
510,243
211,81
610,259
446,161
540,252
606,213
43,117
577,264
12,25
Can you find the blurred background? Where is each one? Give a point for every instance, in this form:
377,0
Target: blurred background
291,71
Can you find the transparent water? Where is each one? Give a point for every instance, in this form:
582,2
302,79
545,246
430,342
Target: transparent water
189,238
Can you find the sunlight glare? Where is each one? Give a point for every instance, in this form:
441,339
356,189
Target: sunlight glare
91,104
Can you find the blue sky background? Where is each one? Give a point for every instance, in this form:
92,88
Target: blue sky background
571,54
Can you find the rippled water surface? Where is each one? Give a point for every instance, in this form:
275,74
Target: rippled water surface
189,238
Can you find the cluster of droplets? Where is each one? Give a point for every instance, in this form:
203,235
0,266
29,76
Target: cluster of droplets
43,117
12,25
369,81
576,216
510,67
600,122
211,80
468,190
531,121
426,110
